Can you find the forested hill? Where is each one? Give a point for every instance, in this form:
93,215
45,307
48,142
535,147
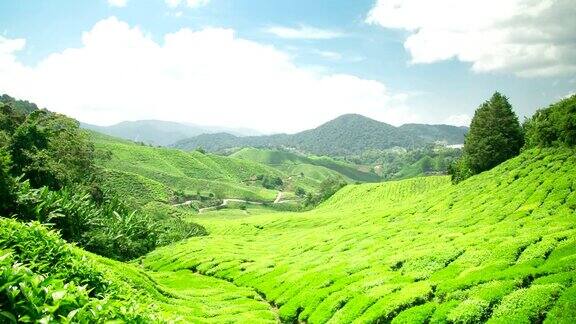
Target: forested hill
345,135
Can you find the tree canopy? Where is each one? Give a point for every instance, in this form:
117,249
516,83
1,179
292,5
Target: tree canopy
553,126
495,136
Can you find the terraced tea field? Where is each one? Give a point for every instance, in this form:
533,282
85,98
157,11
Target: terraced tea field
146,174
498,247
314,169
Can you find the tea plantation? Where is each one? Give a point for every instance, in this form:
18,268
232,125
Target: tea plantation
313,168
498,247
146,174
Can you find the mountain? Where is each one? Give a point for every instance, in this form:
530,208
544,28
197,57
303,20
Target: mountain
449,134
162,133
346,135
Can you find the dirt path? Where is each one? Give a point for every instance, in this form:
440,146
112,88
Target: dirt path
278,197
225,203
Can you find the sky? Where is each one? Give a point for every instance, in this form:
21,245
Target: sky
286,65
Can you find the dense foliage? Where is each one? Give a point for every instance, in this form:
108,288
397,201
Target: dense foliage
553,126
20,106
48,149
48,173
495,136
42,279
345,135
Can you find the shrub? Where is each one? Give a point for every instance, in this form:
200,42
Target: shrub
526,305
469,311
43,279
109,229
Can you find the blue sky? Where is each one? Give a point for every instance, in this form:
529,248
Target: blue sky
397,66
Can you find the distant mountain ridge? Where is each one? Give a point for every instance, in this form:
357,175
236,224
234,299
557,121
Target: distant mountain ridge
163,133
346,135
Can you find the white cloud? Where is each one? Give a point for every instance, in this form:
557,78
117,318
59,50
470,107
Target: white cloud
189,3
208,76
303,32
118,3
526,37
458,120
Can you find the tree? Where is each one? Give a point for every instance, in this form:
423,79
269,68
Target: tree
427,164
7,185
553,126
495,136
51,150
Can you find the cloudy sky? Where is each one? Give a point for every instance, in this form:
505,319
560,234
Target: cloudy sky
285,65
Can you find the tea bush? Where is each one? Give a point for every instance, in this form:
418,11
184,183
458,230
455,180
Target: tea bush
43,279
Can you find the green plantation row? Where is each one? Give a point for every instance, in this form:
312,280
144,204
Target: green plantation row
499,247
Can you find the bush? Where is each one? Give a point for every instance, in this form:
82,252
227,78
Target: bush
42,279
44,252
109,229
328,187
269,182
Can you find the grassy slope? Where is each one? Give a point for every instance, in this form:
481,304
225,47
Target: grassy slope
315,168
500,246
147,174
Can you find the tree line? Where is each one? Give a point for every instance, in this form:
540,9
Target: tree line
496,134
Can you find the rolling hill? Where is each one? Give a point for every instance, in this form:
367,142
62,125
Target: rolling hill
147,174
498,247
316,168
162,133
159,177
346,135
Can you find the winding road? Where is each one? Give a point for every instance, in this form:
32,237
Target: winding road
226,201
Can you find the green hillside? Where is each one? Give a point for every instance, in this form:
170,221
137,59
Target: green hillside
498,247
316,168
144,173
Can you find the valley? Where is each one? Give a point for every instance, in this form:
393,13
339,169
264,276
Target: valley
269,235
288,162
